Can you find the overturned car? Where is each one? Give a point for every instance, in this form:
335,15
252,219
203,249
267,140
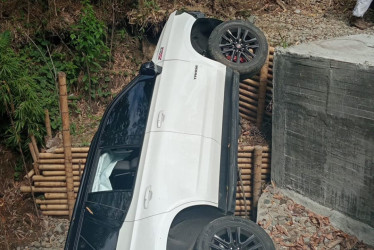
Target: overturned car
162,169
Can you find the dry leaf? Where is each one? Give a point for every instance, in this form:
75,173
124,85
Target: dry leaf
282,230
278,196
267,224
334,243
329,236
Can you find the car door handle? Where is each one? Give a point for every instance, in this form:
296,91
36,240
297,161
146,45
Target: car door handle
160,119
147,196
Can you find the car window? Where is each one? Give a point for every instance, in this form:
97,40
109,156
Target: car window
121,138
126,122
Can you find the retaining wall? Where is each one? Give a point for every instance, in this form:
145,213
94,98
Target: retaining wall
323,124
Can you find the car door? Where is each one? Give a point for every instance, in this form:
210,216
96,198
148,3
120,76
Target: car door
110,173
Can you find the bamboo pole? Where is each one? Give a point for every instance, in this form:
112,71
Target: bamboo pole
53,184
73,150
244,160
27,189
54,207
247,99
61,156
52,178
242,202
35,146
262,93
39,201
66,141
53,212
242,208
257,175
248,87
51,196
250,177
244,154
252,119
30,174
247,182
240,195
34,158
249,160
48,124
247,114
249,106
251,148
251,82
248,93
57,167
60,161
249,171
244,189
58,173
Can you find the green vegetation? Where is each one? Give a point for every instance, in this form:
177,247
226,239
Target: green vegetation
88,41
28,77
19,98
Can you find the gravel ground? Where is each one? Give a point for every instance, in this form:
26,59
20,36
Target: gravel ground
291,27
292,226
53,236
303,26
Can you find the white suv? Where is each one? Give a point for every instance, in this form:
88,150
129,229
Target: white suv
162,168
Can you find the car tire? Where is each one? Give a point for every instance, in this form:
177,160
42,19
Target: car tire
233,38
245,234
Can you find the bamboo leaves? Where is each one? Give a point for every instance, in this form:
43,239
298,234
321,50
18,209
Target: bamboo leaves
18,96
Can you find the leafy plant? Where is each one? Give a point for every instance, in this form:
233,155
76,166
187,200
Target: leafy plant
19,98
45,75
88,40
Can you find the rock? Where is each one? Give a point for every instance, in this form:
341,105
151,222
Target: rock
297,11
59,228
306,240
252,19
35,244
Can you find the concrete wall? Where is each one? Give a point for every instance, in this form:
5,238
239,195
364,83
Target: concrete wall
323,124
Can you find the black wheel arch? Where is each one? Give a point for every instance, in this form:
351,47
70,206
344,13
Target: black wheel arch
200,32
188,224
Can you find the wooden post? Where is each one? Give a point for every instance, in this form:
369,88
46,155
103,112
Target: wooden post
256,178
262,93
48,124
35,145
66,141
34,158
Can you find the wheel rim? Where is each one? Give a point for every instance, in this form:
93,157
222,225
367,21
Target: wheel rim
235,238
238,45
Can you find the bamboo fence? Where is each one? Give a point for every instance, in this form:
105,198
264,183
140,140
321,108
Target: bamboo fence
254,171
51,179
256,93
253,164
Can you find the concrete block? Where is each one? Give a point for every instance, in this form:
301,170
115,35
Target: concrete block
323,124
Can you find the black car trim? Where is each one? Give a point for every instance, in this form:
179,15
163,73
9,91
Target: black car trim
229,144
75,228
195,14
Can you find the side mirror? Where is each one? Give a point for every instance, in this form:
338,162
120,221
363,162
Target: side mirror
150,69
